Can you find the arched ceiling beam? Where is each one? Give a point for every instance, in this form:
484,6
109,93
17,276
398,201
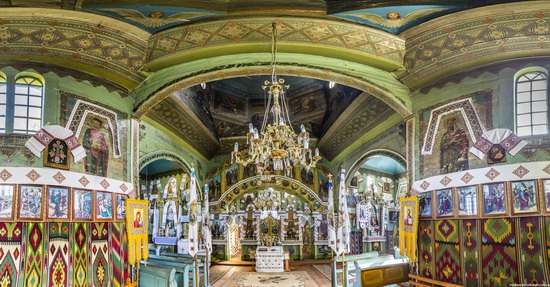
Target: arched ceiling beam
81,41
301,35
474,38
164,83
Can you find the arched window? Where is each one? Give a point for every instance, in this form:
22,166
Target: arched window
3,102
531,103
27,113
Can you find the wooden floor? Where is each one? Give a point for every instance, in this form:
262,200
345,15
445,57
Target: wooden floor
302,265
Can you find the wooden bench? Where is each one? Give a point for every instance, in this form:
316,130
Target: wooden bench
420,281
181,264
378,273
157,277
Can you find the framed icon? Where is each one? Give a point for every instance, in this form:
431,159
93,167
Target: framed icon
467,201
57,154
82,205
546,194
494,199
30,203
103,206
444,203
496,154
7,201
57,203
120,200
425,203
524,197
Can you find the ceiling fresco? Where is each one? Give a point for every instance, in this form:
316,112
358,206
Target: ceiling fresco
160,51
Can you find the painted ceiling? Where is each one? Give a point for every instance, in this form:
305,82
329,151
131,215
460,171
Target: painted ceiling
153,16
363,32
384,164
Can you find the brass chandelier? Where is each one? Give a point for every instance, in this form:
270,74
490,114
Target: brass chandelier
276,147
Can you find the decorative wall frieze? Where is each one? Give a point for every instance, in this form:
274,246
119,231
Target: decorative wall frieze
471,38
85,39
327,33
50,176
498,173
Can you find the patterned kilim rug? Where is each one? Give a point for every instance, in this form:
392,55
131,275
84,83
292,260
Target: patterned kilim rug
327,272
276,279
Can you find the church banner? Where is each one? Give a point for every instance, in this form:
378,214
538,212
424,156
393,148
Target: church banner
408,228
136,222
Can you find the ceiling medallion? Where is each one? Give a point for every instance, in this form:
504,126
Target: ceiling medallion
276,147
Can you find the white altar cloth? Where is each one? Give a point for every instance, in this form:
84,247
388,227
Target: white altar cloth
269,259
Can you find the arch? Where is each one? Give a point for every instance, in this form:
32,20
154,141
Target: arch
164,154
372,153
278,178
168,155
379,84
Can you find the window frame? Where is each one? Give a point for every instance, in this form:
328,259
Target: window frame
18,88
531,74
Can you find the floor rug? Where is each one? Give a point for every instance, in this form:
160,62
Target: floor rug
327,272
275,279
216,272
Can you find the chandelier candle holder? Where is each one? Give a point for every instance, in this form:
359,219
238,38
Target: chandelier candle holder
276,147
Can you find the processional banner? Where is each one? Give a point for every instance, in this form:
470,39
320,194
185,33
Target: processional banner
136,224
408,216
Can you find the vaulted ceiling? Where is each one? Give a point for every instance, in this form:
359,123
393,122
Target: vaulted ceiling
160,51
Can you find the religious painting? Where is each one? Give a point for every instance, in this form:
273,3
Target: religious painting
231,175
214,187
446,133
307,175
120,200
229,105
30,203
57,154
354,182
444,202
494,199
454,147
82,205
96,143
467,198
546,194
408,227
137,229
496,154
323,186
104,205
58,202
425,205
103,133
307,106
7,193
524,197
249,170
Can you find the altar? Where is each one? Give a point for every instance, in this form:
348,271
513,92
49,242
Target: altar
269,259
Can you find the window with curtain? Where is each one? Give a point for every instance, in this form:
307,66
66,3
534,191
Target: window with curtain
3,102
27,108
531,103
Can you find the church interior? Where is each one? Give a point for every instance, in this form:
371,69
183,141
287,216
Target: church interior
266,143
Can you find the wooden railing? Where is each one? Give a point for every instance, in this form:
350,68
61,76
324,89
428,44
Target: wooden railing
420,281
